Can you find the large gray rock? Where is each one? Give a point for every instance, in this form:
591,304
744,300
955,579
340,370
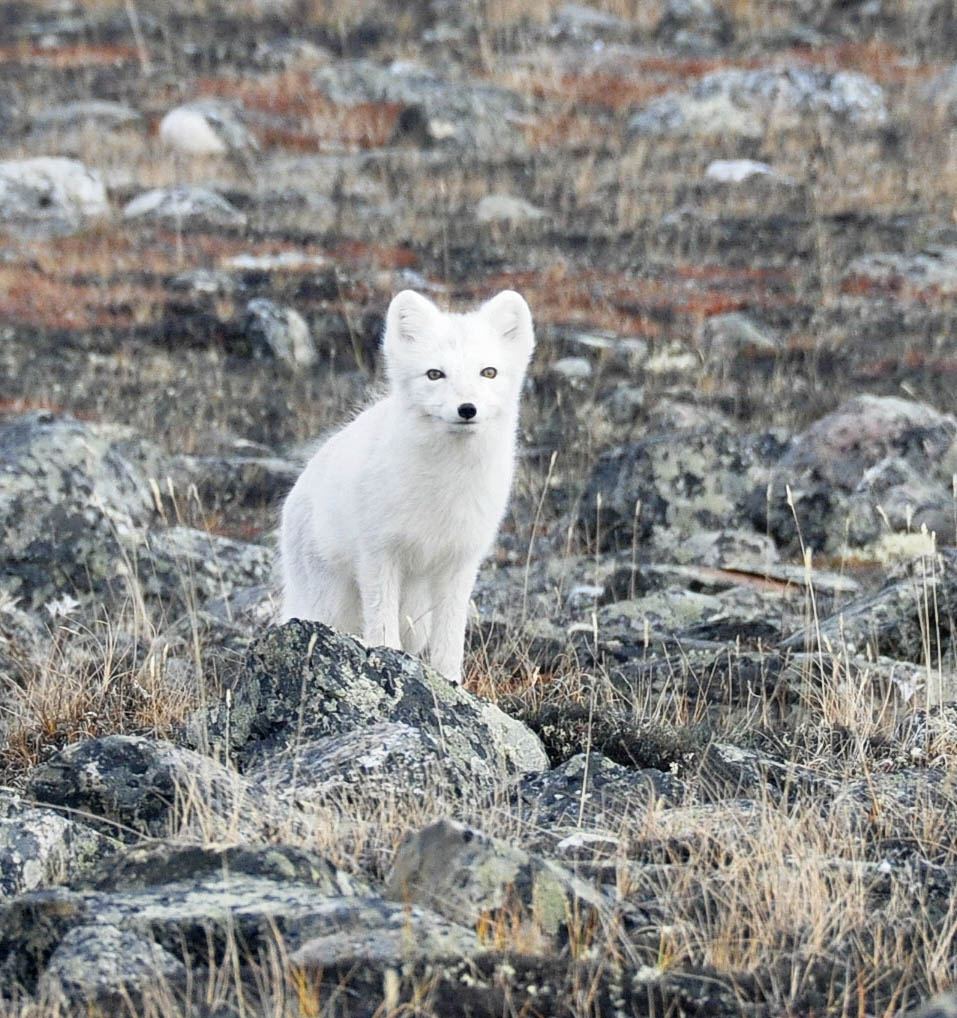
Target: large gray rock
303,681
928,272
128,786
279,333
680,481
484,883
186,207
50,195
39,847
748,103
835,459
158,910
77,506
69,501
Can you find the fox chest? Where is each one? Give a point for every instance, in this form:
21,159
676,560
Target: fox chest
454,512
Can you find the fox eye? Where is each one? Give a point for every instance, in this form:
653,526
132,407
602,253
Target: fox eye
433,374
489,372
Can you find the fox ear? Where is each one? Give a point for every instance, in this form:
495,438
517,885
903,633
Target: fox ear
511,319
410,317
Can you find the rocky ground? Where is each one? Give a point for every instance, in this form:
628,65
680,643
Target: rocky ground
704,760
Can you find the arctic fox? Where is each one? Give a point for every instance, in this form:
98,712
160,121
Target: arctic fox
383,532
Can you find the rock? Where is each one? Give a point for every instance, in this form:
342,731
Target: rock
39,847
896,621
507,210
466,113
573,369
187,207
303,681
485,884
748,103
733,334
371,933
932,271
940,95
280,333
692,25
229,480
828,462
671,484
207,128
97,114
390,760
102,960
941,1005
589,791
50,196
129,786
170,905
186,567
736,171
69,501
583,24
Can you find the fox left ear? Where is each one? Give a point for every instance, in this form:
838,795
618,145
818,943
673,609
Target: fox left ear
511,318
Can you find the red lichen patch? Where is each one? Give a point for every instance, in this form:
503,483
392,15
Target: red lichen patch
34,297
65,57
379,255
640,306
896,286
876,58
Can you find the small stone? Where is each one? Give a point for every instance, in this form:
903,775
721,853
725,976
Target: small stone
507,209
279,333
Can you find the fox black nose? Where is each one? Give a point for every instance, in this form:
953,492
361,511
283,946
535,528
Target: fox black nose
467,411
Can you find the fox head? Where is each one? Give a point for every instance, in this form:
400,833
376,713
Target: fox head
463,370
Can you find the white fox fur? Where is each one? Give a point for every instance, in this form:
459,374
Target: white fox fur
383,533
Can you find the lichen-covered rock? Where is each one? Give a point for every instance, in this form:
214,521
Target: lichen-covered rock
185,207
591,791
303,681
130,785
69,501
487,884
187,566
101,960
50,195
278,332
39,847
907,619
389,759
748,103
672,484
933,270
371,932
811,484
170,905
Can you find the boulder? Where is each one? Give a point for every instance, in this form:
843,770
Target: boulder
830,461
50,196
514,899
129,786
303,681
749,103
280,333
185,207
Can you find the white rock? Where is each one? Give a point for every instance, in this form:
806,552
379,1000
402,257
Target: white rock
50,192
506,208
206,128
573,368
734,171
182,205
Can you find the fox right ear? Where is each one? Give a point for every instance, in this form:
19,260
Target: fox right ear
410,317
